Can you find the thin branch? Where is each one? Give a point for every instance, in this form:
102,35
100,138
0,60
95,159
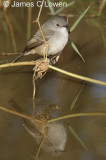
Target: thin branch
17,113
40,10
41,31
55,119
33,63
18,64
37,20
42,141
34,88
46,47
9,54
78,76
77,115
34,91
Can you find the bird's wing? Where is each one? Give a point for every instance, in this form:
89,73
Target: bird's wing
37,40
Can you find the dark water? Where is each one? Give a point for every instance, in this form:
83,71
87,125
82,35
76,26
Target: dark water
56,89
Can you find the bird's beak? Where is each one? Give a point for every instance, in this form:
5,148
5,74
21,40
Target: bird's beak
66,26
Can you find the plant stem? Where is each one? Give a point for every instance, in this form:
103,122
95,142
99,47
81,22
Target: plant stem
29,22
77,115
11,31
32,63
78,76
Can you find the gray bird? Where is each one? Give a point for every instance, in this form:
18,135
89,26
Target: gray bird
56,35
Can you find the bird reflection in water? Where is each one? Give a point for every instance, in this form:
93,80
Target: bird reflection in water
56,136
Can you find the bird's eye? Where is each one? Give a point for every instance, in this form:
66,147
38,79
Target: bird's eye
57,24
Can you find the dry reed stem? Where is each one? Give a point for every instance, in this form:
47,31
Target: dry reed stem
11,30
29,21
78,76
42,141
34,91
45,54
38,69
37,20
77,115
17,113
40,120
33,63
9,54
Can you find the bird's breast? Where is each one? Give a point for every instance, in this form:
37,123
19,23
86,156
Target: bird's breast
58,42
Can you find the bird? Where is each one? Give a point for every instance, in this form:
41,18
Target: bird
55,31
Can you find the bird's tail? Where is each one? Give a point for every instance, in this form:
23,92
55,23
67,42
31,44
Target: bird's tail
21,55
